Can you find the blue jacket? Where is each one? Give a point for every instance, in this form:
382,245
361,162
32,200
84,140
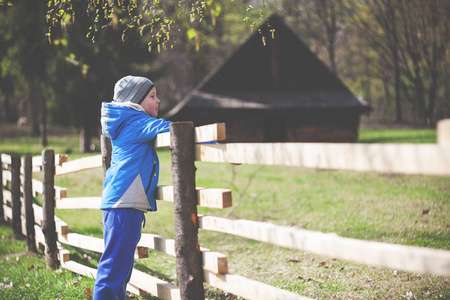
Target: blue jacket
131,180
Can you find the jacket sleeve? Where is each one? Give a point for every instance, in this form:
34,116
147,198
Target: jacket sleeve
150,127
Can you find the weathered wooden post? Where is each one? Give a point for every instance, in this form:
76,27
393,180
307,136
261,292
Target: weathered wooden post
105,145
48,207
28,199
16,223
189,260
2,212
443,132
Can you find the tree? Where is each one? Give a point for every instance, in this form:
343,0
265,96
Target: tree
411,38
156,21
393,53
116,32
8,113
323,21
425,41
93,68
26,58
199,47
377,21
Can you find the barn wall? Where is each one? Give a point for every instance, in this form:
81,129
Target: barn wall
245,131
325,125
331,133
335,126
241,125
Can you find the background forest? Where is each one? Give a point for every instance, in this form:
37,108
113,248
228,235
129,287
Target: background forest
60,59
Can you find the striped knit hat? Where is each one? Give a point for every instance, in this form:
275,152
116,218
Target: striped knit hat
132,88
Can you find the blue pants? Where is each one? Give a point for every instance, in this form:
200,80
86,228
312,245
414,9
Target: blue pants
121,232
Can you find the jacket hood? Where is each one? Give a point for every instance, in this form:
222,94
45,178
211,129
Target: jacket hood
114,115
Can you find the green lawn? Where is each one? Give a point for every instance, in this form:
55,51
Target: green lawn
401,209
69,144
24,275
397,136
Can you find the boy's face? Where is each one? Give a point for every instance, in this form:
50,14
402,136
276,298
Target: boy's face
151,103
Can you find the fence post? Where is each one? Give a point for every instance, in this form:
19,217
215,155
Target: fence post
48,207
16,223
443,132
105,145
189,260
2,212
28,199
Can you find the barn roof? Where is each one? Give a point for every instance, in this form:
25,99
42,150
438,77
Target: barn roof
283,73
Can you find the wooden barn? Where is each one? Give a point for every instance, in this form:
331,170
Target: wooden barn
277,92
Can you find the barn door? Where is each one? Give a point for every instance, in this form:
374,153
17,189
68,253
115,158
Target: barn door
275,129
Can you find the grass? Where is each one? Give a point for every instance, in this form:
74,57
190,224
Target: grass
21,146
397,136
24,275
18,141
13,141
401,209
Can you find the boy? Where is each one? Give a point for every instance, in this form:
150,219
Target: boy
128,192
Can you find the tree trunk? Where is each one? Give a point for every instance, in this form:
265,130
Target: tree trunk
36,116
446,104
396,61
332,32
85,139
9,114
387,92
432,98
328,14
420,93
43,120
398,102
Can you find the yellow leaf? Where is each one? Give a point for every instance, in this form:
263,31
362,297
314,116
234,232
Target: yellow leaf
218,10
191,33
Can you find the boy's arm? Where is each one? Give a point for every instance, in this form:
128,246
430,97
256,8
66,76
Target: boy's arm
149,128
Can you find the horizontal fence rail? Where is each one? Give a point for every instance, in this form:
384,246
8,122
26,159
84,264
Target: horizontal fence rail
406,258
419,159
207,197
86,163
61,226
202,134
247,288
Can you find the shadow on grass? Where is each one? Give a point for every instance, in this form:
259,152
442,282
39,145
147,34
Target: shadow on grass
93,231
154,273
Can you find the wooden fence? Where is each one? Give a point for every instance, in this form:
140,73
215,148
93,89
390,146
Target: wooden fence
195,264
